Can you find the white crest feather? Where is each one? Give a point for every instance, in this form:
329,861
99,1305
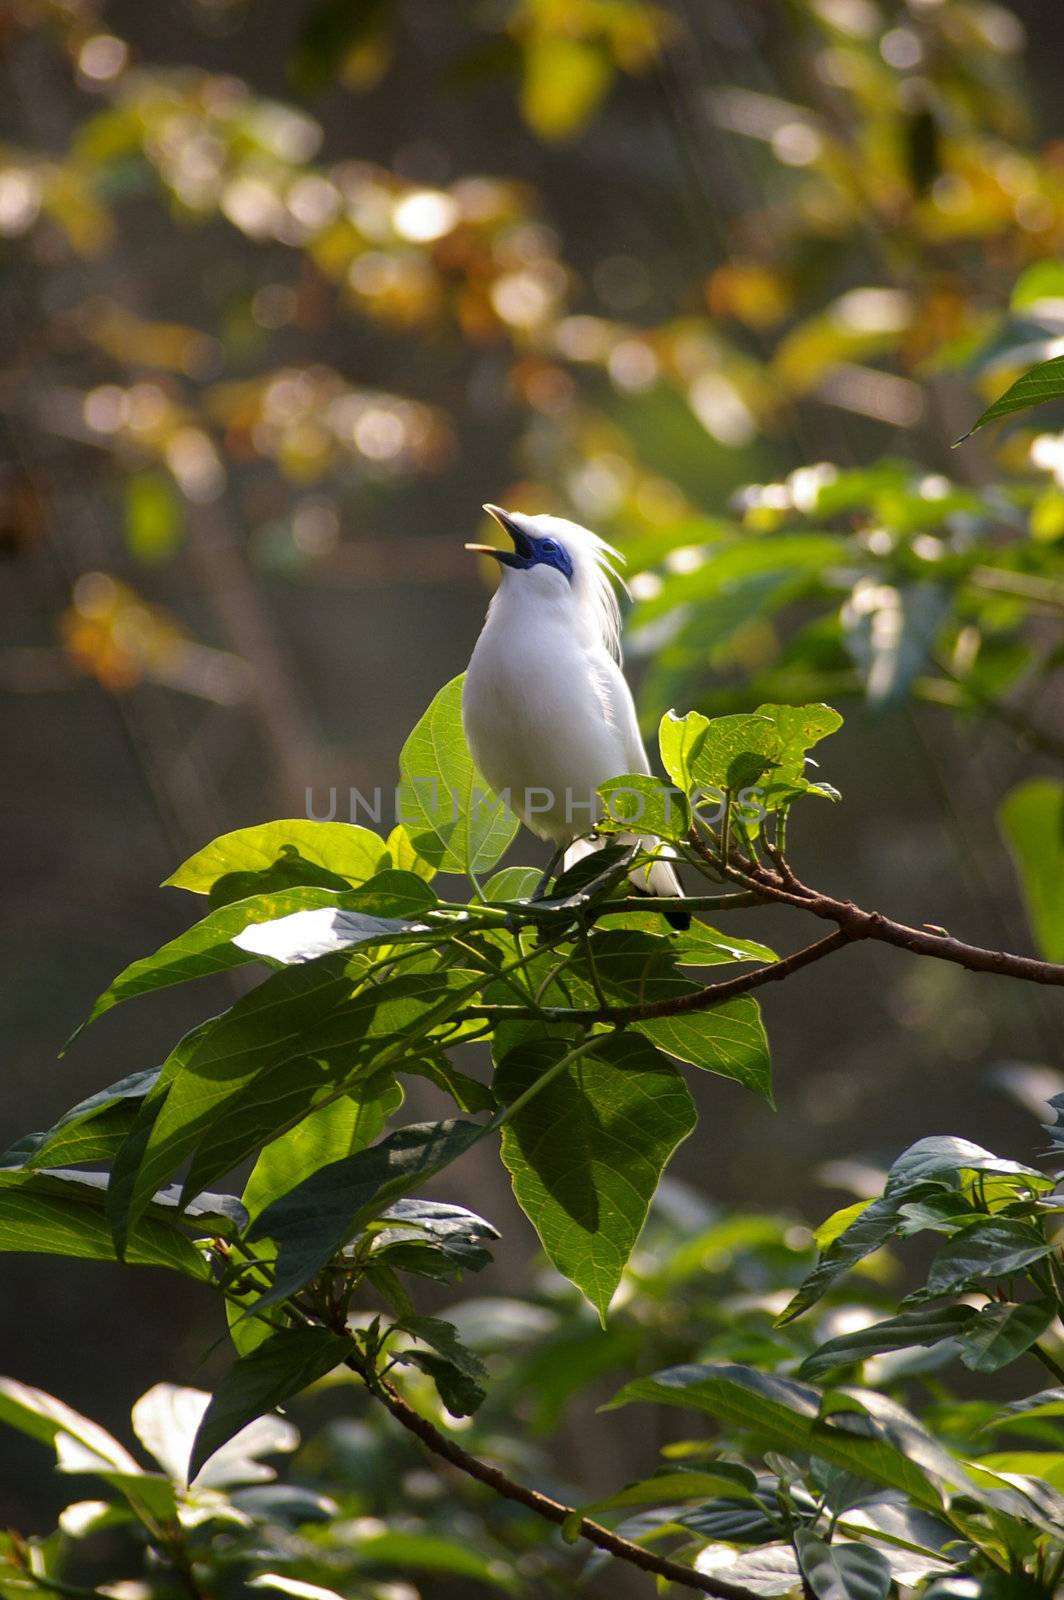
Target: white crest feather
595,573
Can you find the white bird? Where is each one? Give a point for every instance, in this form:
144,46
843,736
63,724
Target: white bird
547,713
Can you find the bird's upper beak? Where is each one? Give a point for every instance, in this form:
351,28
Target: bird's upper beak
521,541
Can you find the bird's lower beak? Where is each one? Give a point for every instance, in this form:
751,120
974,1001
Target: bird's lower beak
521,542
485,550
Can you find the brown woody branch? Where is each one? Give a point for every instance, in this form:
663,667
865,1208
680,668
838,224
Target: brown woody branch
715,994
552,1510
859,924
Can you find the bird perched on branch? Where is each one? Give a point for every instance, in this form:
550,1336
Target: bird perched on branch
548,715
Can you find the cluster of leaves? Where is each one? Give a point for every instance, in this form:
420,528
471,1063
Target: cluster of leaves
839,1461
591,1015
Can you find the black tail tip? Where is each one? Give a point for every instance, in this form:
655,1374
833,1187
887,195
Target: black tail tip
680,920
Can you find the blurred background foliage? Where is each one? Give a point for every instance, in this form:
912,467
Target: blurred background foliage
288,291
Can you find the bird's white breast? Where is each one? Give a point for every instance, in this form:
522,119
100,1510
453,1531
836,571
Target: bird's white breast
545,708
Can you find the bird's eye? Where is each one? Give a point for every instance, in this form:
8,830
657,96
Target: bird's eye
548,547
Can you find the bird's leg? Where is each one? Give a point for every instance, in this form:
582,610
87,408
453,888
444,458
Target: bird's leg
548,872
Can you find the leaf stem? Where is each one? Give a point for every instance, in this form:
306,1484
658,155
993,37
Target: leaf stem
1048,1361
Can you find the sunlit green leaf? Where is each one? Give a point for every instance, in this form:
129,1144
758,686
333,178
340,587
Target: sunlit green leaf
454,819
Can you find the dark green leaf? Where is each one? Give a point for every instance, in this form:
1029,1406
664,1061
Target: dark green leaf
873,1225
90,1131
896,1333
942,1157
313,1220
461,1394
1002,1331
585,1154
729,1040
994,1248
287,1362
841,1571
1043,383
788,1416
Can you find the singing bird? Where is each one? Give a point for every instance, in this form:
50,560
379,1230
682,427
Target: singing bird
547,713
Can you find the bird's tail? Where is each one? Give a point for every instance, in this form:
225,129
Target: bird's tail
659,879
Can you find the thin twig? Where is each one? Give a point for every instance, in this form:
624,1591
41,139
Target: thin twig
552,1510
860,924
716,994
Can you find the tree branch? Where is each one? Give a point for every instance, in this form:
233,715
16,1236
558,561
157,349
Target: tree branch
553,1510
716,994
860,924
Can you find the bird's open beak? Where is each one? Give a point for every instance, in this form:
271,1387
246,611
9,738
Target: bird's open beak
522,543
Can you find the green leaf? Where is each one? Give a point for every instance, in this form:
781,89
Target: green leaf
333,1131
42,1416
393,892
674,1487
455,820
632,967
167,1418
736,752
294,852
63,1214
896,1333
943,1157
431,1238
994,1248
729,1040
404,855
698,946
90,1131
274,1054
872,1225
313,1220
1002,1331
428,1552
765,749
789,1417
443,1336
1032,820
512,883
127,1160
460,1393
586,1152
281,1367
842,1571
680,739
1043,383
345,1048
212,1066
207,948
644,804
